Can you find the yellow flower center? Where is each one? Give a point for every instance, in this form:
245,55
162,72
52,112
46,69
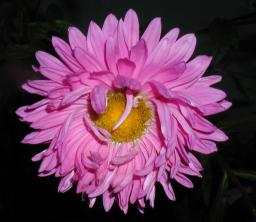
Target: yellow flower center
133,126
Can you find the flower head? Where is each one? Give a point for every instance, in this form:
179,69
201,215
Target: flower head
122,112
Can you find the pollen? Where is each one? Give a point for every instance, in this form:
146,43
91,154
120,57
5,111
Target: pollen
134,125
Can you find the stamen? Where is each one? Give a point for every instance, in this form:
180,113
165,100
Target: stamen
128,108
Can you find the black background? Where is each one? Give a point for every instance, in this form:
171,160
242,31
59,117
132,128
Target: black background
225,29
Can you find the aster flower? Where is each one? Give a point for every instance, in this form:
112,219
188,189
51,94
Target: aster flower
122,113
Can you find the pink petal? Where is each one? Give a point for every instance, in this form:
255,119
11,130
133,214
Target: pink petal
172,36
110,25
47,60
108,200
194,70
128,108
152,34
122,82
167,188
40,136
120,160
103,76
168,73
52,74
98,98
74,95
131,23
168,124
43,85
209,80
76,38
32,90
112,54
183,49
69,60
139,55
210,109
66,182
125,67
96,41
180,178
121,40
104,185
87,60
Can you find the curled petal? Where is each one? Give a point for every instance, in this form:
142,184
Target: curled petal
98,98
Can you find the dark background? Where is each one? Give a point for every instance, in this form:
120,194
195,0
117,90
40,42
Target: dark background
225,29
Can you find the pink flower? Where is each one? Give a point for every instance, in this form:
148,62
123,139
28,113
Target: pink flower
122,112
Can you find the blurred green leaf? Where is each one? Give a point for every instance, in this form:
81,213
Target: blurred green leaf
250,175
217,210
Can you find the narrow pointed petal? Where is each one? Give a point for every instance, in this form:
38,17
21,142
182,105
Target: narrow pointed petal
76,38
132,28
152,34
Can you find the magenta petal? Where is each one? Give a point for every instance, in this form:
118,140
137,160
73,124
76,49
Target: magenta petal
98,98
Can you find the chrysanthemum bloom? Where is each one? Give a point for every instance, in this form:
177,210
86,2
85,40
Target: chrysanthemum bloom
122,112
